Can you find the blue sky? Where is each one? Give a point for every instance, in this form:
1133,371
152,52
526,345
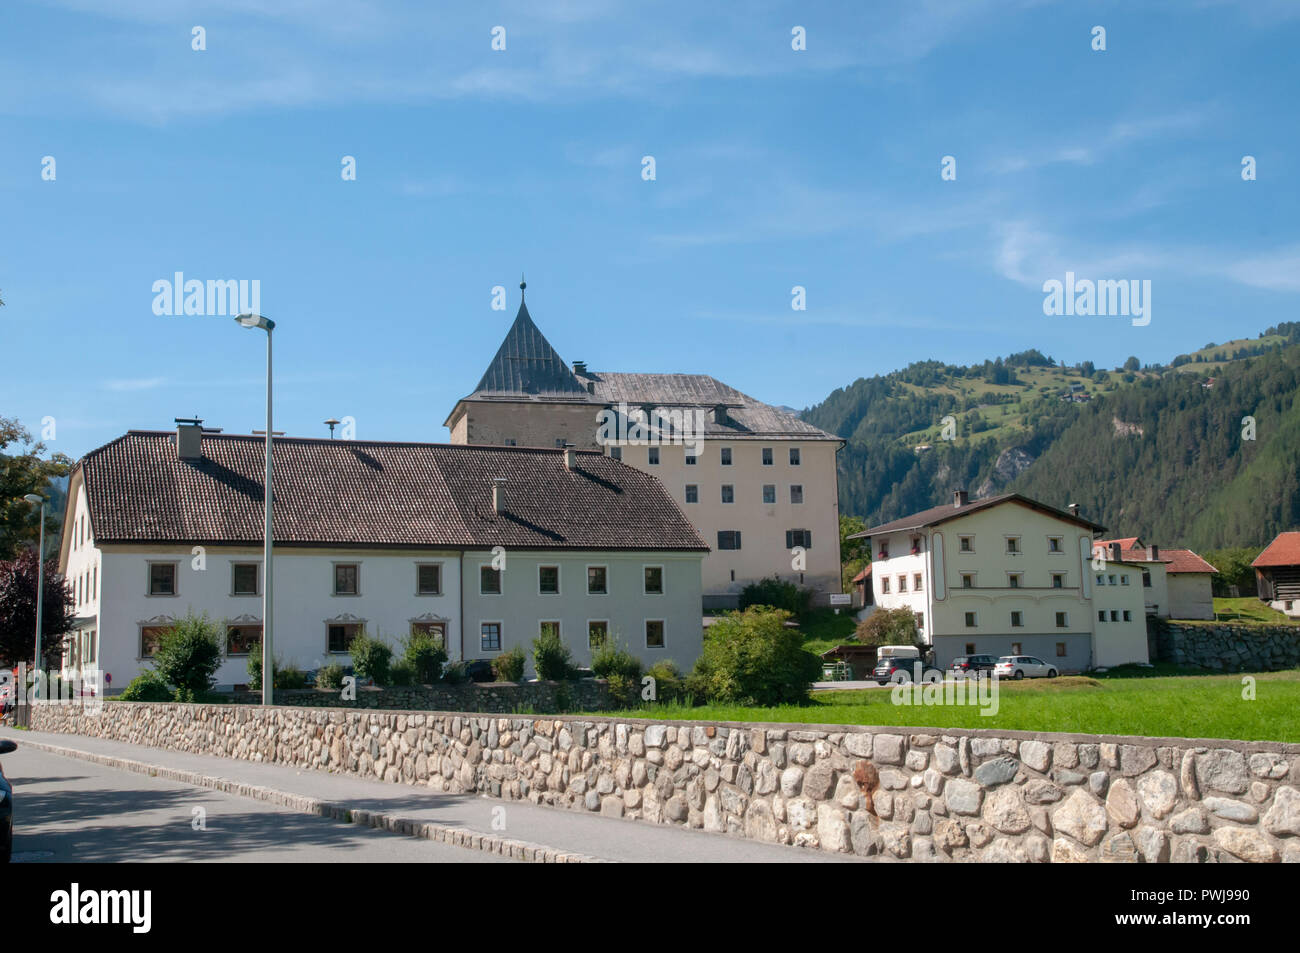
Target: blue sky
775,168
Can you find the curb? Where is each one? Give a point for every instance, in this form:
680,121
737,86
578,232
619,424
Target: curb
455,836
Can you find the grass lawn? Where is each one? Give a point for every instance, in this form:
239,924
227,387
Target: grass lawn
1248,609
823,629
1123,702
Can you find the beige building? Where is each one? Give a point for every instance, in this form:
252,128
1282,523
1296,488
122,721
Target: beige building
1177,583
1008,575
759,484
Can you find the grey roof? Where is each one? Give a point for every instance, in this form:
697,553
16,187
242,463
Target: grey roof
526,364
947,511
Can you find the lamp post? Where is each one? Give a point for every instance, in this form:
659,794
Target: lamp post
35,500
268,655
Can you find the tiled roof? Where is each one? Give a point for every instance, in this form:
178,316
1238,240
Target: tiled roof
942,514
1283,551
366,493
1127,543
1184,560
864,575
1175,560
527,365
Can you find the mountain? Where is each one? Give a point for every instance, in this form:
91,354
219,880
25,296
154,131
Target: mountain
1160,451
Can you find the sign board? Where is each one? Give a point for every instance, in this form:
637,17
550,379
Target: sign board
841,598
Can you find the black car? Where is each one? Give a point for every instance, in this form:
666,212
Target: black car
6,807
976,666
897,669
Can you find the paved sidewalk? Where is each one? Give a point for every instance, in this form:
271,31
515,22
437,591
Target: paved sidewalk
523,830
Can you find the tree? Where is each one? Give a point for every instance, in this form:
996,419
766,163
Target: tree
1132,364
887,627
188,656
753,658
21,473
18,611
854,553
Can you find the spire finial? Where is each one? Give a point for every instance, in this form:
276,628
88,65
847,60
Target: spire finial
522,285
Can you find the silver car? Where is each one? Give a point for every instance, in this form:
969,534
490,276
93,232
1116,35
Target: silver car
1023,666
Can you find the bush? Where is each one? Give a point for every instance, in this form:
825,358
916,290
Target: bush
402,674
509,666
189,654
623,691
454,673
551,657
330,676
609,660
777,594
750,657
147,687
425,657
669,685
888,627
290,676
255,667
371,658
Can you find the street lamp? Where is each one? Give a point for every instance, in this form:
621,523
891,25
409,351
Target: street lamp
35,500
268,656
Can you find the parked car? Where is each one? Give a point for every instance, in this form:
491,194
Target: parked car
1023,666
903,668
972,666
6,807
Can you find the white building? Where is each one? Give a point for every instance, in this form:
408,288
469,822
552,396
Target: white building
482,547
1008,575
1178,582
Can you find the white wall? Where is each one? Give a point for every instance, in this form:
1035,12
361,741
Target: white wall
1191,596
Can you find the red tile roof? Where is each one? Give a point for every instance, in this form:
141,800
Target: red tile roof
1283,551
366,493
1184,560
1127,543
865,574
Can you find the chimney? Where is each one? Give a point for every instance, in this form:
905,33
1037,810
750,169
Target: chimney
1074,509
1116,554
1153,553
959,499
570,457
580,368
189,438
499,495
720,413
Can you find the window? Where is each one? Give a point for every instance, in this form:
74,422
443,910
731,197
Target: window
1058,580
243,579
1114,615
1013,545
920,621
691,459
1146,579
1110,580
692,493
728,493
1013,579
1054,544
972,620
94,583
769,492
150,636
654,634
728,539
796,492
970,648
798,537
968,580
966,544
884,583
489,581
1101,615
434,630
902,583
559,445
1128,616
767,456
597,580
654,580
597,633
1017,620
340,635
794,456
490,637
510,442
1060,650
883,552
346,579
162,579
241,638
1015,648
726,456
916,582
616,453
548,580
546,629
1062,620
428,579
1123,579
1101,580
653,455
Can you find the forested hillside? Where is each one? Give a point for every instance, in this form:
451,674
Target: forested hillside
1157,451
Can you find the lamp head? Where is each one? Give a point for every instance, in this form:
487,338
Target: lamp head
34,499
255,321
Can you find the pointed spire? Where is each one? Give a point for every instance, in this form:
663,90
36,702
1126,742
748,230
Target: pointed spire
526,363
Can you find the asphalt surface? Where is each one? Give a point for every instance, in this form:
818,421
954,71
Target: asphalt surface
53,792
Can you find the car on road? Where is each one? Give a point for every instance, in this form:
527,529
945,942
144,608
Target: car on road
6,806
972,666
903,663
1023,666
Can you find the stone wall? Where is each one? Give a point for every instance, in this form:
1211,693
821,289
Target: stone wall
892,794
587,694
1226,647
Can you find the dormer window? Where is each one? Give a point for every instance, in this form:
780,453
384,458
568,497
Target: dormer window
884,551
916,545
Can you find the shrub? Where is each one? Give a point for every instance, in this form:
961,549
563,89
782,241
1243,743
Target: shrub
255,667
147,687
425,656
454,673
609,660
509,666
777,594
189,654
330,676
371,658
551,657
401,674
623,691
887,627
289,676
669,686
750,657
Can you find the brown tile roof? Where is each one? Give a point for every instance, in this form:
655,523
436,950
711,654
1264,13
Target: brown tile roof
945,512
1283,551
1127,543
365,493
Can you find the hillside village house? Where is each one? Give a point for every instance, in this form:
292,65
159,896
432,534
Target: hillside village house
1277,573
1007,575
759,484
392,537
1178,582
